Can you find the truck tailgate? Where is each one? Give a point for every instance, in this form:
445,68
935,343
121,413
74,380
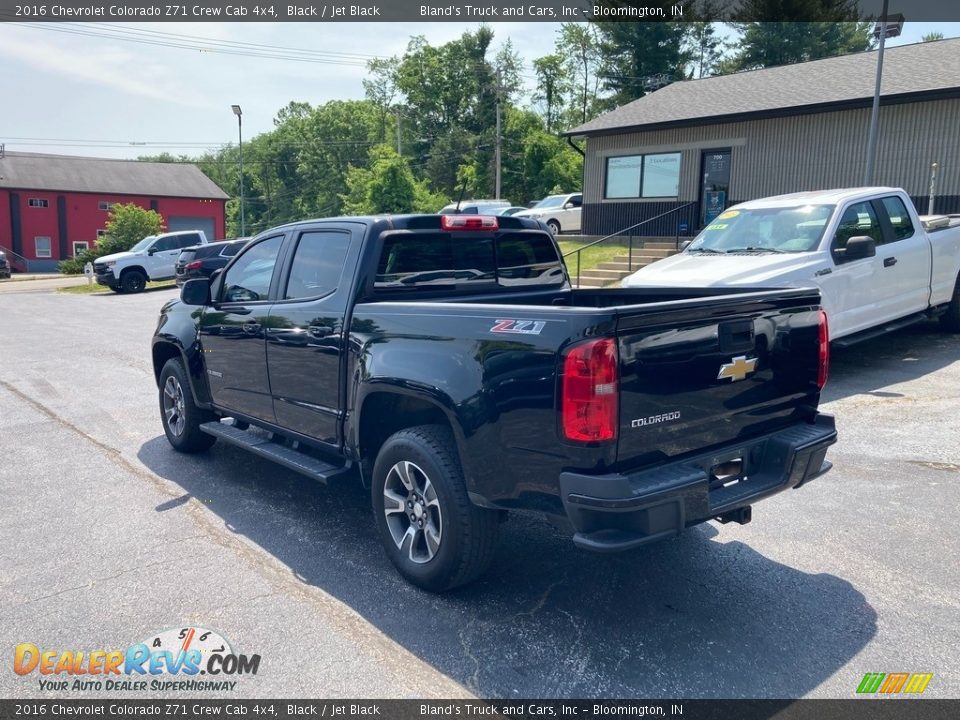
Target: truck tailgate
705,374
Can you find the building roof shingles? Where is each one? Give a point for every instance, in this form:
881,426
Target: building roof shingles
69,173
923,67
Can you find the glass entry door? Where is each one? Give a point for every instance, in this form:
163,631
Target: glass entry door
714,190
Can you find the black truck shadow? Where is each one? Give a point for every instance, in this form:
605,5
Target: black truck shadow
907,354
690,617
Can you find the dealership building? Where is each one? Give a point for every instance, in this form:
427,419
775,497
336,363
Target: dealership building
697,146
54,206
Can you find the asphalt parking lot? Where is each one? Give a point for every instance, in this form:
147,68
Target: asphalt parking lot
110,536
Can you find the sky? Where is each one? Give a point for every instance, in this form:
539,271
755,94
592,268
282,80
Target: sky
73,88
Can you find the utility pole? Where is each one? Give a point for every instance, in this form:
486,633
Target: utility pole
399,148
498,155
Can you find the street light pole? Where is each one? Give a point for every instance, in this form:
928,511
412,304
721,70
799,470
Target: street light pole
243,220
883,29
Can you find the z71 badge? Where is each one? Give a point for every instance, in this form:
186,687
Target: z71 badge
519,327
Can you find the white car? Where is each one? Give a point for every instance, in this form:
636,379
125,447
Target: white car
561,213
878,264
153,258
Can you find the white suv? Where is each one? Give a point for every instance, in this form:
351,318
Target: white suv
153,258
561,213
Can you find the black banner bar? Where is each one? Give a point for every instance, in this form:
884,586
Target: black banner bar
457,11
854,709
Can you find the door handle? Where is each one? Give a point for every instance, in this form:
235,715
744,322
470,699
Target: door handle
889,262
319,331
251,327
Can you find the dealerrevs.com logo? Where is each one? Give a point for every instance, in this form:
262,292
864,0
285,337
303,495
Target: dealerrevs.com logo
183,654
894,683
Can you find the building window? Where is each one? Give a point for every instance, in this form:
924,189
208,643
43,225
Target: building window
101,233
43,247
643,176
105,205
38,202
80,246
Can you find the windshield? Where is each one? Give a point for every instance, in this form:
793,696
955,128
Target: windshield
143,244
774,230
552,201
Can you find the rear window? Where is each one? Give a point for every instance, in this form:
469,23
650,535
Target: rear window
429,259
187,255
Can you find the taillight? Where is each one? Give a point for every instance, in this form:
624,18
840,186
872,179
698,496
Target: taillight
469,222
823,366
195,265
590,391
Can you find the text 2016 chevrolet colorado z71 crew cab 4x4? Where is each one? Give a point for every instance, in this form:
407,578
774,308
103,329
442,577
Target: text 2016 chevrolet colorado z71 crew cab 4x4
446,362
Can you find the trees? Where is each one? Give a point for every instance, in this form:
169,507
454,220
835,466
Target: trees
808,30
553,87
636,57
579,43
386,186
127,224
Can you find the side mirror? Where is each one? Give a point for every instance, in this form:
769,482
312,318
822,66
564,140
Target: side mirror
685,244
196,292
151,251
567,205
859,247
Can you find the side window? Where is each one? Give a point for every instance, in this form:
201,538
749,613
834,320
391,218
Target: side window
187,240
248,279
576,201
166,243
899,217
231,249
317,264
858,219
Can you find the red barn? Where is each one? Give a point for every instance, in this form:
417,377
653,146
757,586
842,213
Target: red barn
54,206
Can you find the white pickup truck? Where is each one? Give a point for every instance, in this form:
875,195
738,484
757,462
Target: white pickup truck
153,258
878,264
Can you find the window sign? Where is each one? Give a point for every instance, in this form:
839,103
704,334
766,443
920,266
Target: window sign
661,175
623,176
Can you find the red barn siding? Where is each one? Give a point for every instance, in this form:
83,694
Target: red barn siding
84,217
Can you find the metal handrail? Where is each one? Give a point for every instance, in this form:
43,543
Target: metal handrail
20,258
630,245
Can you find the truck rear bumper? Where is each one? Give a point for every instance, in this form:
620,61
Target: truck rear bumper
617,512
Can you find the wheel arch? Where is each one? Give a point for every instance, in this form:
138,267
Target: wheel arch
387,410
165,350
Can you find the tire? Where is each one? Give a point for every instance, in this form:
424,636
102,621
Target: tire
950,320
179,414
554,226
435,537
133,281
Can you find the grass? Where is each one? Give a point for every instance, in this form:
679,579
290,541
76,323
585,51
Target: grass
96,288
589,259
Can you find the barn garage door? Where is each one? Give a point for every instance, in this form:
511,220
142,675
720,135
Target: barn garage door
182,222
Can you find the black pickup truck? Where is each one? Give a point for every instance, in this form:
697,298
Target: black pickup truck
446,363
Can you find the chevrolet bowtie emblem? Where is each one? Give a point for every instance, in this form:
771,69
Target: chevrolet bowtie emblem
737,369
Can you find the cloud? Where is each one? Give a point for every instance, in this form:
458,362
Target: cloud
100,64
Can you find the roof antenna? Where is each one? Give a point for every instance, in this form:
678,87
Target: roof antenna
463,189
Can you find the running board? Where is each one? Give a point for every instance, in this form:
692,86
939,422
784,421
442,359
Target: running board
880,330
280,454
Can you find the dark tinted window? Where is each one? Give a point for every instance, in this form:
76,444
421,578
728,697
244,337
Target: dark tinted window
899,217
317,264
858,219
523,258
231,249
248,279
187,240
205,251
187,255
434,258
166,243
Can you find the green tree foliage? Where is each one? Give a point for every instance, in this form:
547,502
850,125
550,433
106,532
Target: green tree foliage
705,48
932,36
808,30
637,57
127,224
553,87
579,44
387,186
